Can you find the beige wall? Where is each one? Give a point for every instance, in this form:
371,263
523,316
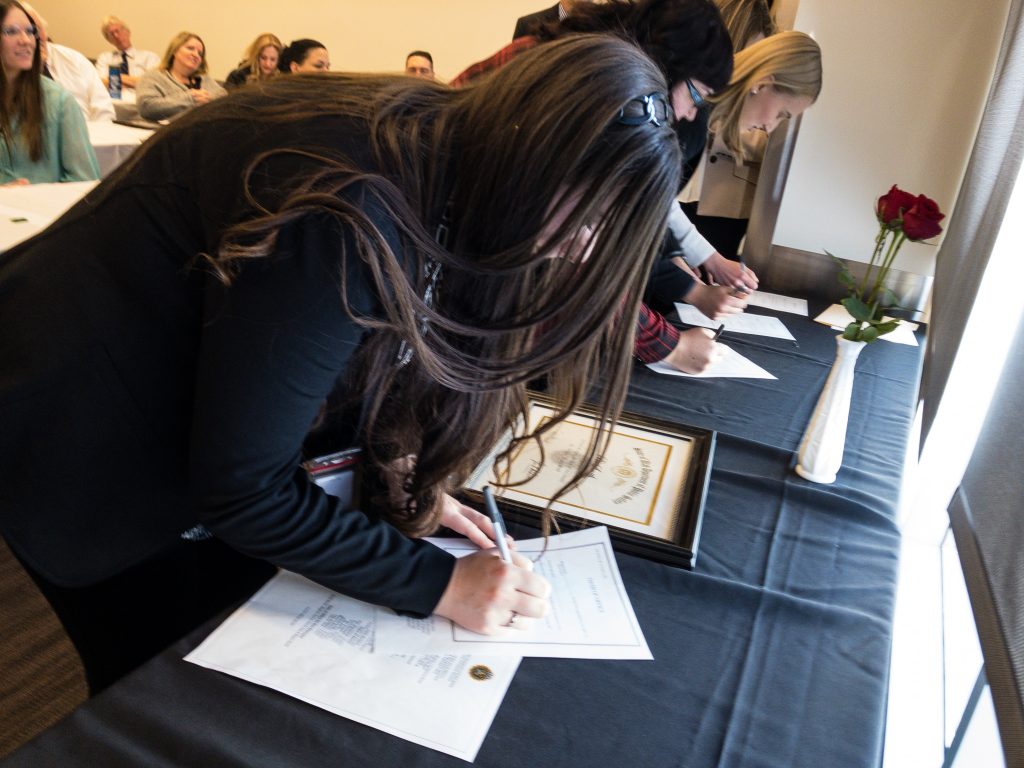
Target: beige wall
361,36
904,86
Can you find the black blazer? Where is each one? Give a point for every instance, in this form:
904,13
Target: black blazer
526,24
139,396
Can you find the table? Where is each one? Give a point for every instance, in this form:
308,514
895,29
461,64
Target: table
113,143
29,209
774,651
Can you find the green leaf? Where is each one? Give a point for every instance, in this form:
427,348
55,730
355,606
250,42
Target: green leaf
887,327
886,298
860,311
852,332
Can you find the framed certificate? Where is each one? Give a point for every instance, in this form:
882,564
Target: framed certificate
649,487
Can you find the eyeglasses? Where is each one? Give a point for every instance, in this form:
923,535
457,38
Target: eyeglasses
13,30
695,97
652,108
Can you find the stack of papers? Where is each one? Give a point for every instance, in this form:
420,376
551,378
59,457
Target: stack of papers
414,677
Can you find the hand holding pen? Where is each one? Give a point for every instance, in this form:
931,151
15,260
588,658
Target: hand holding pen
487,594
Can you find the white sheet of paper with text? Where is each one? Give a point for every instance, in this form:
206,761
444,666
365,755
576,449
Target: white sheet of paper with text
731,365
778,301
591,616
313,644
757,325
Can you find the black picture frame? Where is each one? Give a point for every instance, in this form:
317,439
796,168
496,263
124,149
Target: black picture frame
681,549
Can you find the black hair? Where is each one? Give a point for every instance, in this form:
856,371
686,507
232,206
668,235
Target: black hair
297,51
426,55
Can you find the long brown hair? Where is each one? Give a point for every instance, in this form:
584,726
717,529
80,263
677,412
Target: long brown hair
445,378
23,99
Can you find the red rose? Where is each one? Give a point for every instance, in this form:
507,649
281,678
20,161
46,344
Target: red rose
892,205
921,221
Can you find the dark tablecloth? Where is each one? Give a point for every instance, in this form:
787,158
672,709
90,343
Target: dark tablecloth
773,651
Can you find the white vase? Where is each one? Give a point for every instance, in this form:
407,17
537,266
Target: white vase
821,452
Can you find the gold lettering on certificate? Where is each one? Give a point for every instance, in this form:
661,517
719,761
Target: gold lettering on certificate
625,484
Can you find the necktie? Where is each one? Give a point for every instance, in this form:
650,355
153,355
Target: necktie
124,63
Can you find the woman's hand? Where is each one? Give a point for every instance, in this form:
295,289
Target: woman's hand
485,593
475,526
695,351
715,301
201,96
732,274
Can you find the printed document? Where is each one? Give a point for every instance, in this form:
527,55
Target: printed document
758,325
591,616
778,302
313,644
732,365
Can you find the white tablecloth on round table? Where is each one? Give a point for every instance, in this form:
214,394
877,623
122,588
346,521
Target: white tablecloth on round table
113,143
29,209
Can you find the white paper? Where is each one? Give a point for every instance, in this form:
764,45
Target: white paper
838,318
778,302
317,646
759,325
591,616
731,365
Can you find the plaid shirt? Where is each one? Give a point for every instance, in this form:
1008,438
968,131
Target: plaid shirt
500,59
655,338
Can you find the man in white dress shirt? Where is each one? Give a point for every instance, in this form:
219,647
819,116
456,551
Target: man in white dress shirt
130,60
72,72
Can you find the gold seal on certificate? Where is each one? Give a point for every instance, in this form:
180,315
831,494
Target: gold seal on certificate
480,672
648,488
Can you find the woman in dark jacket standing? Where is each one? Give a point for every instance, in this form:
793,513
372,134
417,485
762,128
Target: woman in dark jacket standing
386,258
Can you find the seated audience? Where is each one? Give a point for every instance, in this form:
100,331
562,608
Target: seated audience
304,55
179,83
130,60
42,132
73,72
420,64
259,63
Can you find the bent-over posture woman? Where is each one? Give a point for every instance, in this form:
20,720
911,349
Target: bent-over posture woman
383,261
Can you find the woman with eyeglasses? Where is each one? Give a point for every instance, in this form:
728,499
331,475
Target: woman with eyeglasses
689,41
44,138
719,196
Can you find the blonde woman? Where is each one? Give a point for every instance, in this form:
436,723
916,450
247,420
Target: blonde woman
259,63
774,79
180,83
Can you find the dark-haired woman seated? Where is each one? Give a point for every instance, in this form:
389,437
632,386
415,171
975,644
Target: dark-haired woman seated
304,56
386,258
44,138
180,83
